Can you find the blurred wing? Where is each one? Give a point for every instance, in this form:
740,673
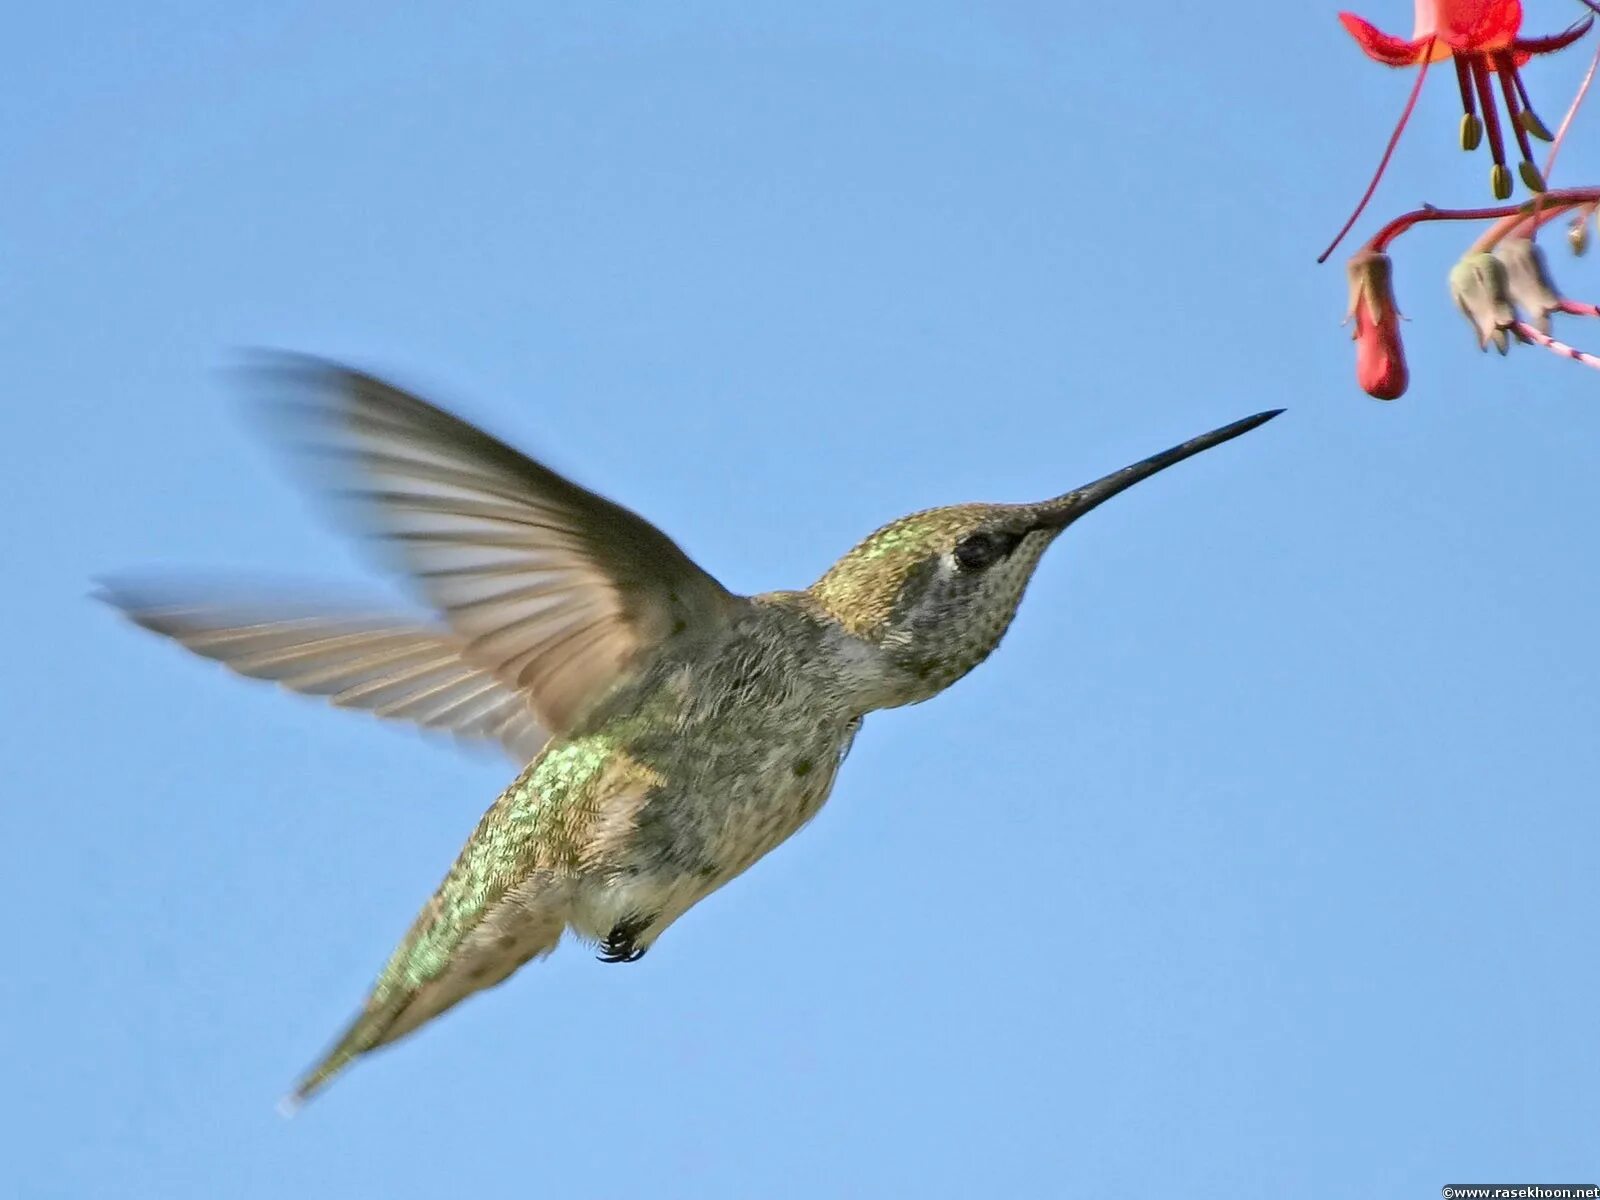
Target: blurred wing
555,590
383,665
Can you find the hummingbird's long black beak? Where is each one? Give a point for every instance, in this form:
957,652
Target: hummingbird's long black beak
1065,509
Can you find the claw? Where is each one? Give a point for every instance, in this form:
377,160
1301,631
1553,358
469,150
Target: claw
620,945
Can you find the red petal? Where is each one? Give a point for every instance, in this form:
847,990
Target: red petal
1548,45
1380,46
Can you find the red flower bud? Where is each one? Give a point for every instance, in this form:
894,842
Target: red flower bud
1380,356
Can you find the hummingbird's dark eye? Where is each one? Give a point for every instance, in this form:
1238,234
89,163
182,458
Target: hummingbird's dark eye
980,550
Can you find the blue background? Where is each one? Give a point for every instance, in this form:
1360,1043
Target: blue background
1259,861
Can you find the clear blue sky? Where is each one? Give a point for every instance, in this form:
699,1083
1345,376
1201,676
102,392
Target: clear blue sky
1259,861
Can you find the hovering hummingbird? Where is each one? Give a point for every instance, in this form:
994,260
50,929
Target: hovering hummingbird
672,732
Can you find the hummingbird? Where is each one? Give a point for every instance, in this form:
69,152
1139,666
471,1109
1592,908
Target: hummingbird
669,733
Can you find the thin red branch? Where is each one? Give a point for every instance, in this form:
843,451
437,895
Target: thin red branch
1555,202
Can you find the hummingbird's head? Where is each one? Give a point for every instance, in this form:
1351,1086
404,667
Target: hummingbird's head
934,592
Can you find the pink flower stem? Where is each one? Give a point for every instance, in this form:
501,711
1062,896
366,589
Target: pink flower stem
1529,334
1572,111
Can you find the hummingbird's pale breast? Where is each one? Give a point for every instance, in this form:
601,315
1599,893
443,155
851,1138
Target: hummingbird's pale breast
744,738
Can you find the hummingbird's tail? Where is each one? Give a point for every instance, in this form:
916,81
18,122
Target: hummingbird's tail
365,1033
462,942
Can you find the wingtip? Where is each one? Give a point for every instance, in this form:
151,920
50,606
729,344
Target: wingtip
274,361
118,593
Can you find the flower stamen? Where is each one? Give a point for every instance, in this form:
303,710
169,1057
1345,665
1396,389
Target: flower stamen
1507,70
1499,175
1471,126
1530,119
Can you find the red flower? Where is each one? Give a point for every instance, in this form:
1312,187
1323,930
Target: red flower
1380,356
1484,37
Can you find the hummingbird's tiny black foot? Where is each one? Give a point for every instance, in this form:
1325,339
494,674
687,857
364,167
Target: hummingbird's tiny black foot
620,946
